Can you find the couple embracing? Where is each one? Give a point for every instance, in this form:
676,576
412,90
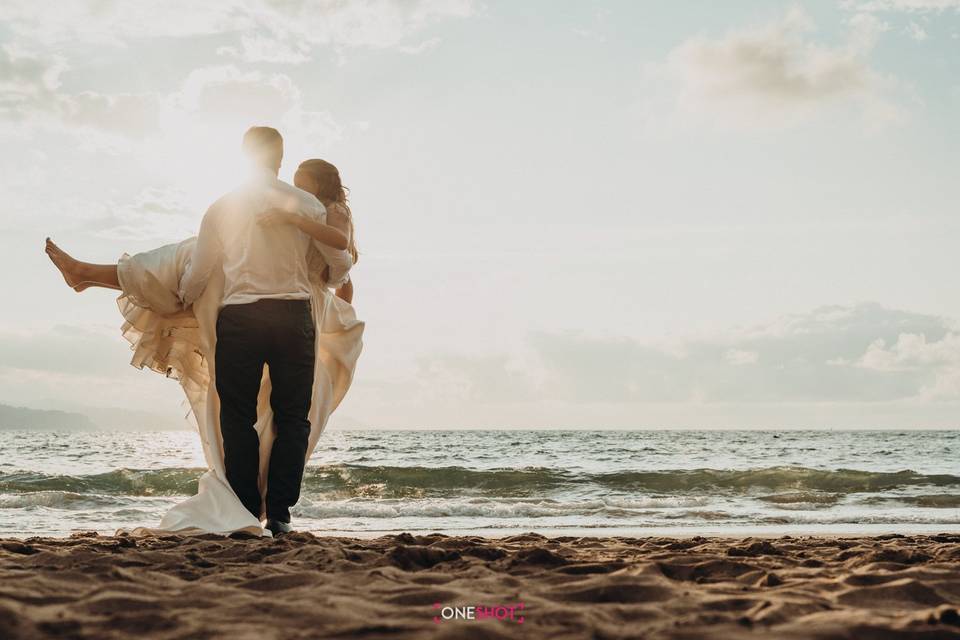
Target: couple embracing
253,317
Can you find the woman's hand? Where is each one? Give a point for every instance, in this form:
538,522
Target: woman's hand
273,217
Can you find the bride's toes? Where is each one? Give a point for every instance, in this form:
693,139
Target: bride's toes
53,249
65,264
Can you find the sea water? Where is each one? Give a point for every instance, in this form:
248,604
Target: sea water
503,482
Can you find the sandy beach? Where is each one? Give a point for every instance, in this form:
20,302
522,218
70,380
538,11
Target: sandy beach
524,586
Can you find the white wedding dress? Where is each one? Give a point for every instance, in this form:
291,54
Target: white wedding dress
181,345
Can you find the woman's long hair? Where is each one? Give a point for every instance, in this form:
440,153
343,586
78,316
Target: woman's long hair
331,189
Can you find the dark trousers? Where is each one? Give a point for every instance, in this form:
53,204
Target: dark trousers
280,334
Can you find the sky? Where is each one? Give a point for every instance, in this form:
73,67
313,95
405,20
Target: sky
580,214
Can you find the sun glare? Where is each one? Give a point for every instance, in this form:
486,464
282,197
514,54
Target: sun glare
202,158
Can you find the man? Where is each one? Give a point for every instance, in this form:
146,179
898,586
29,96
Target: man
265,319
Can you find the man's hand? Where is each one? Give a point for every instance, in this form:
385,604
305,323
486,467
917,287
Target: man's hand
273,217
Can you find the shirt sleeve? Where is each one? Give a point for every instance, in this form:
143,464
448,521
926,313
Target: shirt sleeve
206,256
339,260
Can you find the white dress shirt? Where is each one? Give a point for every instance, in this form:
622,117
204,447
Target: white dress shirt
260,262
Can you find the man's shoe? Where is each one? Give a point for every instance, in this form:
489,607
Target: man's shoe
278,527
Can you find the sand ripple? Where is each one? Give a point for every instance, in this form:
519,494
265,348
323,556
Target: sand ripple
403,586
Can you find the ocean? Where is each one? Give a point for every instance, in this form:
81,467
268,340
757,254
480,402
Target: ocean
502,482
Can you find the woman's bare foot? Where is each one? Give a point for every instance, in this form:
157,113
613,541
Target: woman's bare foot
69,267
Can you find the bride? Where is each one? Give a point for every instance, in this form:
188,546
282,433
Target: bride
180,343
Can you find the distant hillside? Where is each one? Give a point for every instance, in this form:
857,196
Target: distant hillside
20,418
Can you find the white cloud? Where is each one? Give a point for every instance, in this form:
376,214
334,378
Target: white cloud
71,367
62,350
154,136
41,42
160,130
916,32
865,363
472,379
272,31
946,386
123,114
261,49
427,45
771,76
216,93
117,22
26,81
741,357
248,97
31,96
913,352
832,354
268,30
159,214
370,23
902,5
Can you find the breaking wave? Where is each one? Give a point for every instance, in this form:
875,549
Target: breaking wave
785,485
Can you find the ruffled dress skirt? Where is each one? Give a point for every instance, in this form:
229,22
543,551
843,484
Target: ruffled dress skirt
181,345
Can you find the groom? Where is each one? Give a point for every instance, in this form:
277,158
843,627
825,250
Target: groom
265,319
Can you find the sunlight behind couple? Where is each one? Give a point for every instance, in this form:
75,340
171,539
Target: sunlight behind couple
200,156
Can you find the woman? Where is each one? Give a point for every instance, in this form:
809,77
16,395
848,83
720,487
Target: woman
180,343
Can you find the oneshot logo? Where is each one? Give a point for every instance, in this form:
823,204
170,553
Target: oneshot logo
502,612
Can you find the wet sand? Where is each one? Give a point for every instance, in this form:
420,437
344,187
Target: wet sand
526,586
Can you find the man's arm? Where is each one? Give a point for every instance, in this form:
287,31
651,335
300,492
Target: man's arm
206,255
322,233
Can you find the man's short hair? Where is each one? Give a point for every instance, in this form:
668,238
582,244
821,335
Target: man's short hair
264,145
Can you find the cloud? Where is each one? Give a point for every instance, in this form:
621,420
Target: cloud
27,81
32,71
258,48
835,354
741,357
118,22
267,30
770,76
864,364
913,352
150,136
72,367
369,23
31,97
902,5
215,93
472,379
158,214
63,350
916,32
427,45
157,134
121,114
